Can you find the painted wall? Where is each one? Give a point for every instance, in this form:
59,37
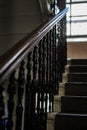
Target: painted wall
77,50
17,18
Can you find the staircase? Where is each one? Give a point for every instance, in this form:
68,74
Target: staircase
70,105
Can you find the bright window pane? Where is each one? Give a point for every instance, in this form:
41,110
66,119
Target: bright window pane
68,29
77,18
79,28
78,0
79,9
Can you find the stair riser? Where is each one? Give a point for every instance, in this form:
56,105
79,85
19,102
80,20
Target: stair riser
78,89
74,89
79,68
77,77
74,77
72,104
77,62
65,122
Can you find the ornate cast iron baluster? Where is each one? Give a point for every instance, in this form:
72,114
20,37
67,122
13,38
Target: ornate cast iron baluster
34,82
35,118
20,92
60,51
43,74
62,48
56,72
39,75
64,41
28,96
47,68
35,64
53,61
43,90
50,70
2,127
50,57
11,92
58,63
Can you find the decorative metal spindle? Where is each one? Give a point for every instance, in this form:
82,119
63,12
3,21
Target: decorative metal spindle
50,57
50,68
56,72
35,117
35,64
47,61
11,92
39,75
28,95
47,68
53,61
43,83
35,87
51,101
2,127
61,49
20,92
43,72
57,53
59,58
64,40
62,46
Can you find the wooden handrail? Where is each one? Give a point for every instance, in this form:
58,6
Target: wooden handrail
10,60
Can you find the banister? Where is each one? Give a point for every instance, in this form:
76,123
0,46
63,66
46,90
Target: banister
10,60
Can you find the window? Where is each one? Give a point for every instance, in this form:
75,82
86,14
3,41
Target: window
76,20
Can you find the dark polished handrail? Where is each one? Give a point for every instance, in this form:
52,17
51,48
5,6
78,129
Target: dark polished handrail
10,60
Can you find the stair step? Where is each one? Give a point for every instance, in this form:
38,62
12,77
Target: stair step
74,104
77,61
75,77
64,121
76,88
75,68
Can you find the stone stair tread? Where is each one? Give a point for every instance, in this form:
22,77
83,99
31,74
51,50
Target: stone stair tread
77,77
74,104
77,83
76,73
76,65
77,61
71,114
76,88
69,121
71,96
76,68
